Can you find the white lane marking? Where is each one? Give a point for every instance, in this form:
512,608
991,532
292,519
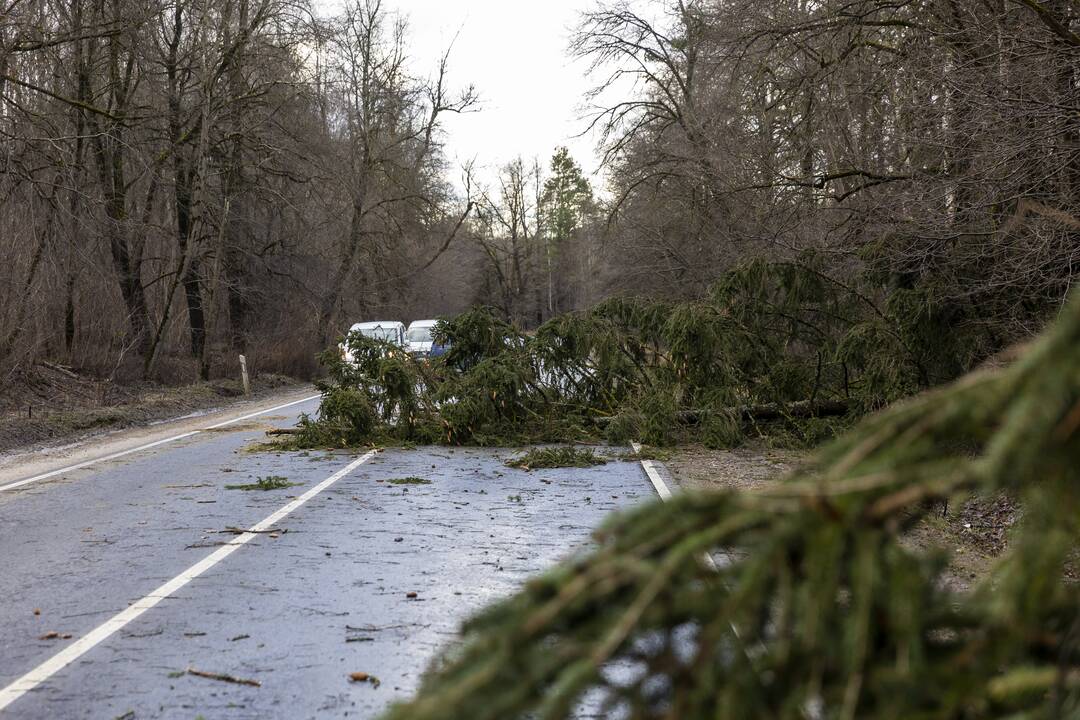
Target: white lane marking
147,446
102,632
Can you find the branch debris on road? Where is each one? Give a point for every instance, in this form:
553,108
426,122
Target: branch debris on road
359,677
241,531
54,635
223,677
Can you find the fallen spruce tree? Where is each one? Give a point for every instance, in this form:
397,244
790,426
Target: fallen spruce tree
816,608
772,343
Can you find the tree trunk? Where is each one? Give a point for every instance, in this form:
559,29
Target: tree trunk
345,265
196,316
109,147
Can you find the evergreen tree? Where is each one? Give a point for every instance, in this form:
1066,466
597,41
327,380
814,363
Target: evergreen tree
565,204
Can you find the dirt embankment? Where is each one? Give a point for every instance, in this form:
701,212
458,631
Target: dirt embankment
974,534
50,403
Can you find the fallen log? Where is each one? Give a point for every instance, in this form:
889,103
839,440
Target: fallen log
769,411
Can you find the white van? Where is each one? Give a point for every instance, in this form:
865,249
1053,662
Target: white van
390,331
419,337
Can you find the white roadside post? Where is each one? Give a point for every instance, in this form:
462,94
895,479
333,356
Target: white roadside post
244,375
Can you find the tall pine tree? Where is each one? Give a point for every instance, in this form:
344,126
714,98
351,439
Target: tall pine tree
565,205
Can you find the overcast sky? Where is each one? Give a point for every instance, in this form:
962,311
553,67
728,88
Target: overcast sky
514,52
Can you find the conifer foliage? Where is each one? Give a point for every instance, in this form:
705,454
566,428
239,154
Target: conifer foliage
814,607
771,340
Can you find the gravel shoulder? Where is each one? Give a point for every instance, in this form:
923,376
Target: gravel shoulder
696,467
973,535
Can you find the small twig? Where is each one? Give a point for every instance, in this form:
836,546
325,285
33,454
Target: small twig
377,628
54,635
223,677
152,633
241,531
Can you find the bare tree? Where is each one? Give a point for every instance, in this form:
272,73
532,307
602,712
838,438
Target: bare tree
388,128
903,142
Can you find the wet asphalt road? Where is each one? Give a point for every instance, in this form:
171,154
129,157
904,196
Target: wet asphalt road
297,610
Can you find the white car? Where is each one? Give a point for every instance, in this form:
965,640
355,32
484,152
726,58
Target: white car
390,331
419,337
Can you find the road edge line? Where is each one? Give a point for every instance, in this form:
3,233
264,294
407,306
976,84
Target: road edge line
45,670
